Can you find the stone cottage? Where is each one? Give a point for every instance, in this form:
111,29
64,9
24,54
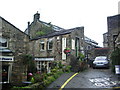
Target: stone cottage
13,44
51,47
48,42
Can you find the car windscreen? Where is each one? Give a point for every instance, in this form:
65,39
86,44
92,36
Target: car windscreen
100,58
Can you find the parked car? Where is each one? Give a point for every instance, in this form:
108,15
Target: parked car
101,61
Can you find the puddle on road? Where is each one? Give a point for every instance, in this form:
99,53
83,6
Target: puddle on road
103,82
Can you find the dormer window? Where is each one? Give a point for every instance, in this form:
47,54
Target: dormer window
3,43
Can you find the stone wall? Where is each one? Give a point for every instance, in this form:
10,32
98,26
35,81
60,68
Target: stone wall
113,29
18,44
56,51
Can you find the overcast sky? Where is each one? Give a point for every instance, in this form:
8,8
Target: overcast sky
92,14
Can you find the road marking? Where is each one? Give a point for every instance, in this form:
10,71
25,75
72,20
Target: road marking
116,87
67,81
103,82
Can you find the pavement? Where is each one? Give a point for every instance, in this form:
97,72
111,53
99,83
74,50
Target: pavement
61,80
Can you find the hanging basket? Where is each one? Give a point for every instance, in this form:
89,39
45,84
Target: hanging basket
67,51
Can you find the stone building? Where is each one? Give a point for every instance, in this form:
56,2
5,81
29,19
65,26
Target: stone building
48,42
113,30
111,39
117,41
105,40
40,28
100,52
13,44
44,41
89,46
51,47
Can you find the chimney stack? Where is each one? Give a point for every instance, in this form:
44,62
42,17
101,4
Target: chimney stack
36,16
28,28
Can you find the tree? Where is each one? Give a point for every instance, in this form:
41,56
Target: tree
29,64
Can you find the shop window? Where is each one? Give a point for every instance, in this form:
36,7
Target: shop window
50,44
42,46
38,65
3,43
42,66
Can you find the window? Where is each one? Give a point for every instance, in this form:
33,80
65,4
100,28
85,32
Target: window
50,44
39,65
42,46
42,66
3,43
88,47
73,44
64,44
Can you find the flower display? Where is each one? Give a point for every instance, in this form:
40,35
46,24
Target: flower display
67,50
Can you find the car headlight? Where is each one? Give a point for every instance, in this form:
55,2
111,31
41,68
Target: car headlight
105,62
94,62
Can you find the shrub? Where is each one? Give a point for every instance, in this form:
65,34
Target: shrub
81,57
46,82
53,64
56,75
54,70
83,65
67,68
51,78
115,57
60,65
38,78
49,74
44,76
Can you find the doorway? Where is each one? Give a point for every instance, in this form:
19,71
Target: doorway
5,75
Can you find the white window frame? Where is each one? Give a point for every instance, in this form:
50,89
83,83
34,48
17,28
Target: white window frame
50,41
41,49
73,44
39,63
64,45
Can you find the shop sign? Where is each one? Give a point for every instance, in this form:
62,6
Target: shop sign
6,58
44,59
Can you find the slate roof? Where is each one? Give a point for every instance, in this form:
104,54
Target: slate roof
58,33
13,26
88,40
54,27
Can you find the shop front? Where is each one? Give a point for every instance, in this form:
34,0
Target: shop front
43,64
6,62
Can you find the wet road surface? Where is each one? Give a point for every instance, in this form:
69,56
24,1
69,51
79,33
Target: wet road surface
91,78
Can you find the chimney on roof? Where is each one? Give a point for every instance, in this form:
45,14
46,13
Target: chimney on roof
36,16
28,28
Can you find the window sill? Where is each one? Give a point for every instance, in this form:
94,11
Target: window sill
42,50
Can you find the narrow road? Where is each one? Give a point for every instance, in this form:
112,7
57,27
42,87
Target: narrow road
91,78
